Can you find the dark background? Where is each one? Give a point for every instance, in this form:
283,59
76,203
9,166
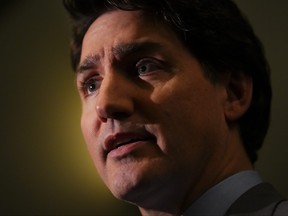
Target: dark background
45,168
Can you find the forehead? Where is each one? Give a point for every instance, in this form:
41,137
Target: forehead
117,26
117,19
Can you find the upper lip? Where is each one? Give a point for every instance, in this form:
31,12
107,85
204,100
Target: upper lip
113,141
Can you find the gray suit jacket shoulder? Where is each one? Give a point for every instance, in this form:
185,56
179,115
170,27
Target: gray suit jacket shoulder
261,200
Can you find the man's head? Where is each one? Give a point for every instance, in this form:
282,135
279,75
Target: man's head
171,90
215,32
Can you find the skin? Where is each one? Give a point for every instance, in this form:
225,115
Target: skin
140,87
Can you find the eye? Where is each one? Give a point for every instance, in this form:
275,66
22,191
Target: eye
146,66
90,86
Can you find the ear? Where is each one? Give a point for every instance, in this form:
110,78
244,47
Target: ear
239,91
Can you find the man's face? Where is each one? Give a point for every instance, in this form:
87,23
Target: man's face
151,119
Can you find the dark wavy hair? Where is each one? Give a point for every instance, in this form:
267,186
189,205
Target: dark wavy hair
215,32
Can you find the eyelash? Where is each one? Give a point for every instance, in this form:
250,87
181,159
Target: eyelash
155,64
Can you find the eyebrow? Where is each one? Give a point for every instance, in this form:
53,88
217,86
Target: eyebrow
121,51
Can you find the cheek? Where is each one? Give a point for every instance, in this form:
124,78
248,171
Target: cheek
86,127
89,131
90,125
90,134
187,114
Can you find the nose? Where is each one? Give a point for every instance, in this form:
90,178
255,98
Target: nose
114,100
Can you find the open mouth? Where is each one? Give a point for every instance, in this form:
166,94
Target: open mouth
129,142
116,141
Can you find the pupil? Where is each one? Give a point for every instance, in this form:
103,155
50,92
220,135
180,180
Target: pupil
92,87
143,68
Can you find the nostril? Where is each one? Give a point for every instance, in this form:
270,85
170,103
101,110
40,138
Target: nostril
102,119
119,115
111,113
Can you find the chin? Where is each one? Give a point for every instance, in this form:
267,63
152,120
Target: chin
131,183
127,186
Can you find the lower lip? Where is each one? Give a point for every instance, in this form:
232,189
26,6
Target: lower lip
125,150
